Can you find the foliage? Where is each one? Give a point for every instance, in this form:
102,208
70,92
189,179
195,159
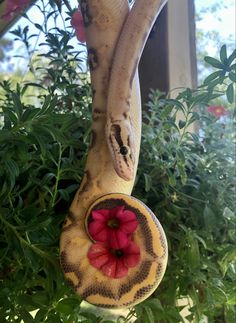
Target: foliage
211,35
186,178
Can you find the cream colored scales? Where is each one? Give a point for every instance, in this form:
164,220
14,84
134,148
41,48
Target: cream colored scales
113,156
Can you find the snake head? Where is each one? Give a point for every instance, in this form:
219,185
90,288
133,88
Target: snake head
122,148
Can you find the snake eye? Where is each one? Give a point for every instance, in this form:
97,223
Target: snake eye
124,150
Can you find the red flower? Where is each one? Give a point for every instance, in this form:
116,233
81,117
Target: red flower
78,24
13,7
114,263
114,225
217,110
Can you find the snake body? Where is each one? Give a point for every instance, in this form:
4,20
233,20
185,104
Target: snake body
106,185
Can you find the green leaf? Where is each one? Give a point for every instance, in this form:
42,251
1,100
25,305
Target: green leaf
212,77
230,93
148,182
232,57
232,76
25,316
166,111
154,304
214,62
12,116
149,315
41,315
193,251
228,259
18,107
182,172
67,305
182,124
38,26
40,298
223,54
209,218
29,114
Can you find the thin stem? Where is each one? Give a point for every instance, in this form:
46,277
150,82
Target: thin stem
129,316
55,191
190,197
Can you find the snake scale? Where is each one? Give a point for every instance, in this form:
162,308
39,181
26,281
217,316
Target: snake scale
115,39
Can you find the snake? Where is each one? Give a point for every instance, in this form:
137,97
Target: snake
115,37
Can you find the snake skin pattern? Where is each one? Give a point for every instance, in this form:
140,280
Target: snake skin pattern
106,23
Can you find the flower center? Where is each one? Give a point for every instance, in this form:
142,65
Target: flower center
117,252
113,223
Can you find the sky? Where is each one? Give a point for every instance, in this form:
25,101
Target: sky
223,22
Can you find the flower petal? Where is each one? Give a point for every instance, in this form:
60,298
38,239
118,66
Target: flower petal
76,19
99,261
121,269
117,239
118,210
128,221
129,226
96,250
109,269
80,33
98,231
132,255
98,255
101,215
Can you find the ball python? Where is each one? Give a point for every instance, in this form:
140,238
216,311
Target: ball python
113,250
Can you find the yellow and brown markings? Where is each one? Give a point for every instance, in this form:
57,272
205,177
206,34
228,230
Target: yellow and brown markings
69,221
93,59
86,280
93,139
98,114
125,292
121,149
103,20
72,216
86,182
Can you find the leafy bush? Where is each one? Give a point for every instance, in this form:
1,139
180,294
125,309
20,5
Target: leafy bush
186,178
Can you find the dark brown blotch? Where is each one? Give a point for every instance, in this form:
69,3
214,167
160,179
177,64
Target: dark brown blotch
93,92
93,138
142,274
72,216
97,289
93,59
87,180
116,130
87,18
98,111
142,291
125,115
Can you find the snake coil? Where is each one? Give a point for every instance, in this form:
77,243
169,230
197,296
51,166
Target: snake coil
113,249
